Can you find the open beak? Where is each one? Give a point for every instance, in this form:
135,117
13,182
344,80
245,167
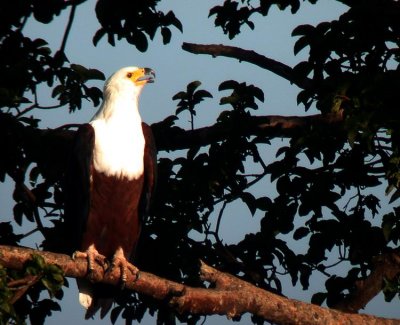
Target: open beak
148,76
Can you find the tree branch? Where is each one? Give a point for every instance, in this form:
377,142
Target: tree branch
386,267
272,126
231,296
172,138
262,61
21,286
68,28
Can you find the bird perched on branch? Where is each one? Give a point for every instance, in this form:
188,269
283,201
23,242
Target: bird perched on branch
109,183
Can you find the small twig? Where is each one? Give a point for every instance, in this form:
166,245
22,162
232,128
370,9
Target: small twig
30,232
21,286
219,218
26,281
23,23
36,105
349,200
38,221
68,126
68,28
260,160
26,110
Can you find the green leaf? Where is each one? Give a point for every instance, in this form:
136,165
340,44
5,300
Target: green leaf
115,313
319,298
250,201
171,19
191,87
39,42
300,44
18,212
388,222
180,95
394,196
303,30
228,84
98,36
139,39
166,35
300,233
94,74
305,273
200,94
80,69
58,90
263,203
258,93
303,69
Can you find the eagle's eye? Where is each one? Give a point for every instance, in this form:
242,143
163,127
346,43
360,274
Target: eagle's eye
129,75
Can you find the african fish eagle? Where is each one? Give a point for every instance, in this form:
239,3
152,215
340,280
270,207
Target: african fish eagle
110,180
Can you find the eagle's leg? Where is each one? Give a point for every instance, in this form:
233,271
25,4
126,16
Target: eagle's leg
120,261
92,256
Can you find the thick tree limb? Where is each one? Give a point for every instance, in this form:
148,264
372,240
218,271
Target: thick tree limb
386,267
50,146
262,61
231,296
274,126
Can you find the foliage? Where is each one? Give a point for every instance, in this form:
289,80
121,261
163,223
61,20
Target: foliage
190,98
330,181
21,292
135,21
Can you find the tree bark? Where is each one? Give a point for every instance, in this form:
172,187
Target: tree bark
262,61
273,126
230,296
168,138
386,267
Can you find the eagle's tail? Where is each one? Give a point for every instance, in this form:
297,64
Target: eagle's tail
90,299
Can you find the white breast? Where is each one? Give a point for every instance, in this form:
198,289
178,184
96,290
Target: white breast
119,147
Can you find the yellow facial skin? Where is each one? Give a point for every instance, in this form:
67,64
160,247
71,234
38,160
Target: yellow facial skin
141,76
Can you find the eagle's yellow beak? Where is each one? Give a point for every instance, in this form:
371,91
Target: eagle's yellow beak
146,75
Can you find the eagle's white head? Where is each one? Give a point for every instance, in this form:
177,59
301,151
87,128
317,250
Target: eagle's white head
128,81
119,140
122,91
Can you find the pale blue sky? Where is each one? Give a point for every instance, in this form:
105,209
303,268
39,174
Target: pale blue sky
174,69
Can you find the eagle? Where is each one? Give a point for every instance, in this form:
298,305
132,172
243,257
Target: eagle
109,183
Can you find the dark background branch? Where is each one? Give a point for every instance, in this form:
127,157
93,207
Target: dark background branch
274,126
253,57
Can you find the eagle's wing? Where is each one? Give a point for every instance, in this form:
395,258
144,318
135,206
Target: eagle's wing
150,170
77,186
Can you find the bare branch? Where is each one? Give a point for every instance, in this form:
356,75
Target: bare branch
68,28
262,61
231,296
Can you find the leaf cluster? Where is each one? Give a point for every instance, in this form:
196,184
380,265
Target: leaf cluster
134,21
21,292
233,14
190,98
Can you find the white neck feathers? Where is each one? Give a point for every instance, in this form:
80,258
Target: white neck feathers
119,140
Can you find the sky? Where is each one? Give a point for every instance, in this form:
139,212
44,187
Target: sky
175,68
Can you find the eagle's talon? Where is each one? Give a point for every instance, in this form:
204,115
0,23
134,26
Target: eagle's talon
91,255
137,276
120,261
